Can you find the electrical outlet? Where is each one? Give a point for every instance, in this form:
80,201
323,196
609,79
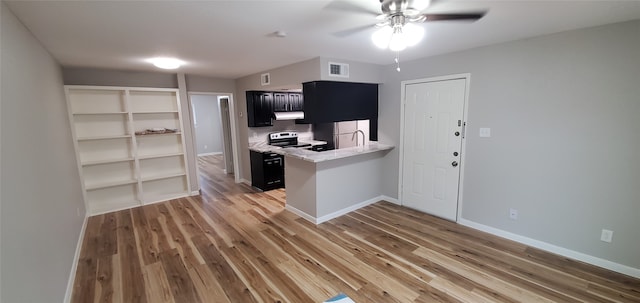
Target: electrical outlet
513,214
606,236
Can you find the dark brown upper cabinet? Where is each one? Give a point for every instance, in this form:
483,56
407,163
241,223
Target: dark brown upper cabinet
259,108
332,101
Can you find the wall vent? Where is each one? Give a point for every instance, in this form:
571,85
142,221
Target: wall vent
339,69
265,79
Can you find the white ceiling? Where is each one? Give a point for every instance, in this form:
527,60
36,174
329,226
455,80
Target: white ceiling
230,39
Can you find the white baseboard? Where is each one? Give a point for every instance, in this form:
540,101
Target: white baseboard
195,193
389,199
300,213
333,214
623,269
347,210
76,259
245,181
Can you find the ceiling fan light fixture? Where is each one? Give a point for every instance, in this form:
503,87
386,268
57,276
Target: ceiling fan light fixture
398,41
420,5
382,36
412,34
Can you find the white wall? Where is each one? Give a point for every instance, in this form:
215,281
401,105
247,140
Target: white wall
563,111
40,184
207,126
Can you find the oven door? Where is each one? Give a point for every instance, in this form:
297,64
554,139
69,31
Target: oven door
273,165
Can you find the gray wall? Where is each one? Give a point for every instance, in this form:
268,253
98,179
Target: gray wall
94,76
197,83
207,126
563,111
41,192
358,71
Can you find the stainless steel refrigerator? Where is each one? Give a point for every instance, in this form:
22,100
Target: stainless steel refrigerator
341,134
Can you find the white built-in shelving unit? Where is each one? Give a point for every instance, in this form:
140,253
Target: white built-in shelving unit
120,169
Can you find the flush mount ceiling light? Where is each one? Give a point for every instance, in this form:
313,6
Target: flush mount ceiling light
166,62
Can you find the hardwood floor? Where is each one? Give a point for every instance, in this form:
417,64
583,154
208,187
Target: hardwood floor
232,244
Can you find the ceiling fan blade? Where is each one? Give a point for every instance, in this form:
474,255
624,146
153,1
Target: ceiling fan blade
351,31
350,7
461,16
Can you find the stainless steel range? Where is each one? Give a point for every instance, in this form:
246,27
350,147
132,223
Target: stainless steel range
285,139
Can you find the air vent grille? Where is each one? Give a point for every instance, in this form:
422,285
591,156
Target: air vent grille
339,69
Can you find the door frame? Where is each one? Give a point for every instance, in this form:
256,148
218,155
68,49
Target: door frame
465,119
234,132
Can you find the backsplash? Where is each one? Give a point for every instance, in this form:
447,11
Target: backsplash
259,134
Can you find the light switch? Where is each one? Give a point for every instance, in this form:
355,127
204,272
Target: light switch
485,132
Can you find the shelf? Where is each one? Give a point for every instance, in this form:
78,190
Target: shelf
118,168
160,134
105,151
153,101
101,113
82,100
159,146
164,120
165,188
109,184
150,199
103,137
156,112
106,161
89,126
160,177
112,198
144,157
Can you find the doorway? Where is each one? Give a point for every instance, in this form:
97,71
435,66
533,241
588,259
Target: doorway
432,144
214,128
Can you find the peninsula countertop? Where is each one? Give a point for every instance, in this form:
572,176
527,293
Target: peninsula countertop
264,147
327,155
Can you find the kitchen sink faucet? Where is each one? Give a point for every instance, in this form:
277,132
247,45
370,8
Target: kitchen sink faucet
355,136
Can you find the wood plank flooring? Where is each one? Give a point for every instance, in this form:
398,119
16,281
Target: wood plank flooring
233,244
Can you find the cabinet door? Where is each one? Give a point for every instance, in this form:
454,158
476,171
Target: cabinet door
266,109
295,102
331,101
280,102
259,108
273,172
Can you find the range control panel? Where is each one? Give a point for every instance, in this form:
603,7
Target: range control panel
283,135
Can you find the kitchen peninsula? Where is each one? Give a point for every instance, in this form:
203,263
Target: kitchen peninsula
323,185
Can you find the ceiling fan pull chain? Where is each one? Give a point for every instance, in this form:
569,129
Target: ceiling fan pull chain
398,61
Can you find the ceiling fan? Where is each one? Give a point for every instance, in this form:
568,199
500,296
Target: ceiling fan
398,24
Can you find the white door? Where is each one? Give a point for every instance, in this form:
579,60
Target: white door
433,122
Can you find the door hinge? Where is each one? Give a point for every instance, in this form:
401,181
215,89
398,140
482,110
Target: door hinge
464,129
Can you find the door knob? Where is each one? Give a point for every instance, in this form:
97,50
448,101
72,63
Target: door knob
454,163
457,134
455,154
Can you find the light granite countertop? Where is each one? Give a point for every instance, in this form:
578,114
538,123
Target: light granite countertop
327,155
264,147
